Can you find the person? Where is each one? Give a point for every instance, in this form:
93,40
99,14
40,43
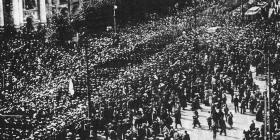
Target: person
252,126
214,129
226,111
178,118
223,127
29,25
168,122
224,98
183,100
235,101
252,105
195,119
262,130
186,136
230,121
209,120
243,106
257,132
246,134
259,114
221,114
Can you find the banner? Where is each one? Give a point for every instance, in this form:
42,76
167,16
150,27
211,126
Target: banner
71,87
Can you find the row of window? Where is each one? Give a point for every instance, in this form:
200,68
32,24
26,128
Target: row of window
33,4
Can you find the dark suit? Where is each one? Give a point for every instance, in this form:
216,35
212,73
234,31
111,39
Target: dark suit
186,137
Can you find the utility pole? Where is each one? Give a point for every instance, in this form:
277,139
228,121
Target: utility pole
241,12
269,91
265,115
115,21
266,94
88,88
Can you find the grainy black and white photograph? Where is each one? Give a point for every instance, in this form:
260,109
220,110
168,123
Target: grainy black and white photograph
139,70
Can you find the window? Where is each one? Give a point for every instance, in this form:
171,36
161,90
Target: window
30,9
63,1
30,4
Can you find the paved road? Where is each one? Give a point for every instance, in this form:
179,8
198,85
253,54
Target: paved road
240,121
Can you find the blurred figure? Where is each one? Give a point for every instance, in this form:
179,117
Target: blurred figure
230,121
186,136
195,119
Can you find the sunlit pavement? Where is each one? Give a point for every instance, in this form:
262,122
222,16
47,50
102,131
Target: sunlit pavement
240,121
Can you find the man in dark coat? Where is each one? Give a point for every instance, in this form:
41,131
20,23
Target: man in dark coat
235,101
195,119
215,129
209,120
168,121
243,106
186,136
252,126
223,127
178,118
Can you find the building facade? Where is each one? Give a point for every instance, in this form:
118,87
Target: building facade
15,12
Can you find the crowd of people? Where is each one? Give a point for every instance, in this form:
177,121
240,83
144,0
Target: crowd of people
162,88
34,90
142,101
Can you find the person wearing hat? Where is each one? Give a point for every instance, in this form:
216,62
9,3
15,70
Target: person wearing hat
236,101
243,106
195,119
246,134
223,127
209,120
230,120
186,136
252,126
177,116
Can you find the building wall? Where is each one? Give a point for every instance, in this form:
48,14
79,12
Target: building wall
1,13
16,12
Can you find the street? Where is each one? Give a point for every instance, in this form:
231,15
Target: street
240,121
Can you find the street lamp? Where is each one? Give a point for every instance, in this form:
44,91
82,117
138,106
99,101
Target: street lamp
115,22
241,11
266,96
87,80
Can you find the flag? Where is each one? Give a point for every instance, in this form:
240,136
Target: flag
71,87
270,12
